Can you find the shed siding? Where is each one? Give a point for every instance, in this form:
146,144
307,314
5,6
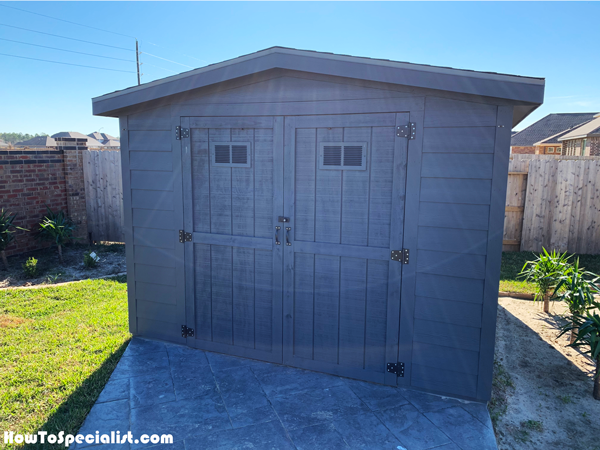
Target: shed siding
154,225
456,185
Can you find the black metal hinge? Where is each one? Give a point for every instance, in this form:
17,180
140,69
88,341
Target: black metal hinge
408,131
186,331
397,368
184,237
401,255
181,133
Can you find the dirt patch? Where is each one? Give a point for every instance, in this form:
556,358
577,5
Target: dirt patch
8,321
542,388
50,271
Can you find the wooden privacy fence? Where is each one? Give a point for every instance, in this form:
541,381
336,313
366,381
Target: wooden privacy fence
103,194
553,202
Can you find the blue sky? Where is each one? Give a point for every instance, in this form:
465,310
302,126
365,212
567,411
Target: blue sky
554,40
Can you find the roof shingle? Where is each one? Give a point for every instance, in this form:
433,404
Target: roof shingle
548,126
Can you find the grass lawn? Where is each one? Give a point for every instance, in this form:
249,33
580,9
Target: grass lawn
58,347
513,262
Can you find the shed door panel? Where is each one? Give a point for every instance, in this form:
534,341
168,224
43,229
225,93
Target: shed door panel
233,272
342,292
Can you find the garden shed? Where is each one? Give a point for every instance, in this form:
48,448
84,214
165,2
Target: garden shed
333,213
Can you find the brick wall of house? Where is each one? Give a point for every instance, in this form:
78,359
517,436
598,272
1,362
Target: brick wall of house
30,179
522,150
594,144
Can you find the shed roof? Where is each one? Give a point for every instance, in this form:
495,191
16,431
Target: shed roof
524,90
548,126
591,128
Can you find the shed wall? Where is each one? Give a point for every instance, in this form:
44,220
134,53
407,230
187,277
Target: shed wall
452,276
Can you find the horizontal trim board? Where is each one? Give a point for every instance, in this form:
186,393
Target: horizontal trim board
157,275
449,288
452,240
447,335
231,122
140,160
150,141
464,165
451,264
348,251
346,120
151,237
444,112
162,257
457,215
454,190
152,218
448,311
155,200
233,241
459,140
444,381
158,311
438,357
159,329
335,369
235,350
156,293
150,119
151,179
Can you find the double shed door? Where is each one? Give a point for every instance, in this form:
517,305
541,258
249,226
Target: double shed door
293,222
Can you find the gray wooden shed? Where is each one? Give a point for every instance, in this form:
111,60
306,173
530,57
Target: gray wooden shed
328,212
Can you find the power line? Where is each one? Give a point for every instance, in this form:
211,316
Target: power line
68,21
67,64
165,59
65,50
65,37
158,67
183,54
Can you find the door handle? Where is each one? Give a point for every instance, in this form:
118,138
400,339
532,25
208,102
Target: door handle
287,236
277,235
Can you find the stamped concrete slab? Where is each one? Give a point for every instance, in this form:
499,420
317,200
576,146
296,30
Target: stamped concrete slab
208,400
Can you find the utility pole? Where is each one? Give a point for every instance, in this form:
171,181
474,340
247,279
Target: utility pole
137,60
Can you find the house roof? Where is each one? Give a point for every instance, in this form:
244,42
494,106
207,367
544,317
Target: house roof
102,136
3,144
91,142
38,141
548,126
527,91
591,128
112,143
554,139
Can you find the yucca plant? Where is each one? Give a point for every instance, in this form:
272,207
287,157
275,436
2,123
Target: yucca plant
58,228
7,231
577,288
544,271
587,328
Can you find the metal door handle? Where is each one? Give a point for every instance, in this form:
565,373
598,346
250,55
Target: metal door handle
287,236
277,235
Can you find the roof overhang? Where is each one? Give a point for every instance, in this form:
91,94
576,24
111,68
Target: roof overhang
526,92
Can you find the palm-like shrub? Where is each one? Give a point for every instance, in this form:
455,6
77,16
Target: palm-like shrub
587,336
545,271
577,288
7,230
57,228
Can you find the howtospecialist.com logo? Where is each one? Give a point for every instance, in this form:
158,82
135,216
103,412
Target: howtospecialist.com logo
114,437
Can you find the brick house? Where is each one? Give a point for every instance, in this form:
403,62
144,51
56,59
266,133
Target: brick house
583,140
526,140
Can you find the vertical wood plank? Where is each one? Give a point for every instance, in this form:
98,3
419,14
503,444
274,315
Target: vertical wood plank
277,255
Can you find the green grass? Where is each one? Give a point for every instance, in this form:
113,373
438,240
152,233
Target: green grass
58,347
513,262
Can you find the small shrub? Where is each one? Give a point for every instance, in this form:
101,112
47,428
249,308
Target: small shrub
7,230
30,267
90,260
534,425
57,228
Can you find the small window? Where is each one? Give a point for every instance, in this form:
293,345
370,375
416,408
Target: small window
550,149
230,154
343,155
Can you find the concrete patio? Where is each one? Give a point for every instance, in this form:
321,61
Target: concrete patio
212,401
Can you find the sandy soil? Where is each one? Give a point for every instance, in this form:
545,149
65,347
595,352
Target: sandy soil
112,261
550,403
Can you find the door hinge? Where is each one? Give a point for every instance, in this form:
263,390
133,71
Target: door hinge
186,331
184,237
408,131
401,255
181,133
397,368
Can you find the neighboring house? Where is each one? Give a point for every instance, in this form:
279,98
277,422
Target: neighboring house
583,140
525,140
3,144
105,139
37,142
72,140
